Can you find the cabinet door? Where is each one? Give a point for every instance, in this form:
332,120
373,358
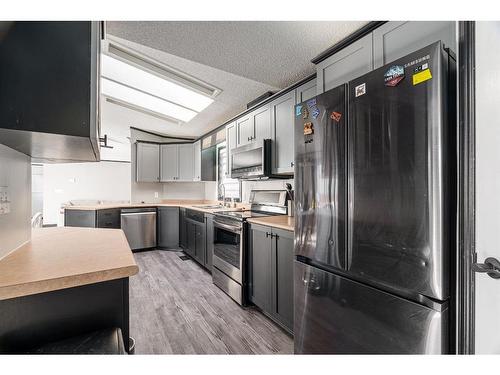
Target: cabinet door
396,39
169,163
262,122
80,218
197,161
200,243
351,62
186,162
182,228
231,142
209,247
246,131
282,111
306,91
190,238
168,227
282,265
109,218
260,282
147,162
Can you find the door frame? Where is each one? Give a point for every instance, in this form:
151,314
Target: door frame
465,277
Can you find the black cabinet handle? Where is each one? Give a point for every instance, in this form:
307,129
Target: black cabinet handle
292,164
269,234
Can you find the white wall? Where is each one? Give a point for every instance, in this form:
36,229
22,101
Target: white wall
83,181
15,174
487,183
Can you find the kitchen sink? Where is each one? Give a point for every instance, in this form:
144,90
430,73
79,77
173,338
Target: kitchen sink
210,207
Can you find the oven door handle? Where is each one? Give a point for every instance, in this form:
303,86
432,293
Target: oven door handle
231,228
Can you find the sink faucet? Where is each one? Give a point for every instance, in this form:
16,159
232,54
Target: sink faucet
223,189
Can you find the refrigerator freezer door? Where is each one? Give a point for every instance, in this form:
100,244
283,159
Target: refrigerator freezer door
334,315
320,178
399,187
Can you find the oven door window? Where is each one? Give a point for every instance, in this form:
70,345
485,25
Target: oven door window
227,246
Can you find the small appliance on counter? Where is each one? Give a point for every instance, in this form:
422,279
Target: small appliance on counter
230,231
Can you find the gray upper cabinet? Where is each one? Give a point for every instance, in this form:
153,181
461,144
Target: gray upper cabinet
197,160
282,122
306,91
231,142
169,170
186,162
351,62
147,162
262,122
246,131
397,39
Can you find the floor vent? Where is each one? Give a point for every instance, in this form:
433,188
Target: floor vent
184,257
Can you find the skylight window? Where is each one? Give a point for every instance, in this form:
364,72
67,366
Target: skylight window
144,100
143,83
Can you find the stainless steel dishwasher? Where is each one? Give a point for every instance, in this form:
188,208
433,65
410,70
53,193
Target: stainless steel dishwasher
139,225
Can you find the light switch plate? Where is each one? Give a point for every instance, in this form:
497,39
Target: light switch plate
4,200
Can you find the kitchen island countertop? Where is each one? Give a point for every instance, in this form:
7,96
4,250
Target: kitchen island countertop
65,257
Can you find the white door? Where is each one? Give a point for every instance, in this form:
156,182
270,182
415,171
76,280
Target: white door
487,306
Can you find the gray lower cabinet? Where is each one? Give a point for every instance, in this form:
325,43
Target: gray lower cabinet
282,123
271,272
209,247
109,218
80,218
200,243
190,238
106,218
182,228
396,39
147,162
168,227
351,62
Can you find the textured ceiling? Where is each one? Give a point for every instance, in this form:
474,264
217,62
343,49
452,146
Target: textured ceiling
277,53
243,59
236,92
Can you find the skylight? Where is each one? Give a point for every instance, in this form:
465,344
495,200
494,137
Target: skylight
144,100
152,87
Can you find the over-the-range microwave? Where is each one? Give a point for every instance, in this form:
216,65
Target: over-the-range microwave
253,161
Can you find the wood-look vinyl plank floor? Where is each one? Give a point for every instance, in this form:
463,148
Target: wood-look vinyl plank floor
175,309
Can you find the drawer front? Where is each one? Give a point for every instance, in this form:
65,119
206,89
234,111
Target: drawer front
109,218
195,215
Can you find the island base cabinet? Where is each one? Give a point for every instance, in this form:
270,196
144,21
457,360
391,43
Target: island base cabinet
31,321
271,273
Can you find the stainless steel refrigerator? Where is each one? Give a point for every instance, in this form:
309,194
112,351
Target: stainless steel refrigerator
375,195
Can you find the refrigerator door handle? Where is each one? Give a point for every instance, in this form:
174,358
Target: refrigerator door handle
491,267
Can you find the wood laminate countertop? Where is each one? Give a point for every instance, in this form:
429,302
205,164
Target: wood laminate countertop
192,205
279,221
65,257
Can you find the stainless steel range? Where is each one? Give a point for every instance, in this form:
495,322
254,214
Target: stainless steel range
230,237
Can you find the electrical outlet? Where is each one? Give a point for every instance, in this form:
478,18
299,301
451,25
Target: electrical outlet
4,200
156,194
